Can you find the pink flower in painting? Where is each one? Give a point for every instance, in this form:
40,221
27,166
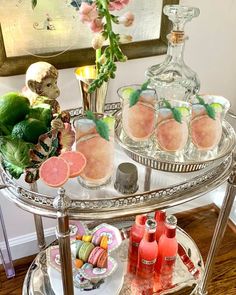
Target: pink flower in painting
118,4
127,19
88,13
96,25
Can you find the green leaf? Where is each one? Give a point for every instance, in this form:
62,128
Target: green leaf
102,129
177,115
34,3
167,104
200,99
90,115
175,111
210,111
134,97
145,85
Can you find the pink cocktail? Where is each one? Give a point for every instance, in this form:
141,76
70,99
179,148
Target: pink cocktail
138,120
98,151
206,123
172,130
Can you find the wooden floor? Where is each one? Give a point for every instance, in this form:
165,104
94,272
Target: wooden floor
199,223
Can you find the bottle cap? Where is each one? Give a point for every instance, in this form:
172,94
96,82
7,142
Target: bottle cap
160,215
141,219
126,178
171,221
151,224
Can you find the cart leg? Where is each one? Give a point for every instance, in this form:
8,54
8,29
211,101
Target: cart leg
39,231
219,232
38,222
62,203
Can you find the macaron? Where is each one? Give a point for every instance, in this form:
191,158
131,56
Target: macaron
75,246
87,266
104,242
78,263
78,237
85,251
102,259
96,240
94,255
87,238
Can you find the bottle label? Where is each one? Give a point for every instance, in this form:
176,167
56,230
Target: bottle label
148,262
135,244
170,258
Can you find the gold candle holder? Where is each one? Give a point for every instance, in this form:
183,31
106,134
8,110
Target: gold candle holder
94,101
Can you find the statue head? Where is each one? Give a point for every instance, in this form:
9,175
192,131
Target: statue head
41,79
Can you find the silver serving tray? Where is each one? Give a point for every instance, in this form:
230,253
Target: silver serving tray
191,160
38,280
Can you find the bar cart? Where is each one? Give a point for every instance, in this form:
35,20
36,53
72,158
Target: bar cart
162,184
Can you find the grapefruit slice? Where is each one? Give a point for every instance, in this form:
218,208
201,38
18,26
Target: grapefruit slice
54,171
76,162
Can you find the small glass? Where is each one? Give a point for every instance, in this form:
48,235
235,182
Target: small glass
206,132
172,130
139,120
98,151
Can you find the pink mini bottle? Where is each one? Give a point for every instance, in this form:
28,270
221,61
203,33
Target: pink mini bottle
147,251
167,252
136,235
160,217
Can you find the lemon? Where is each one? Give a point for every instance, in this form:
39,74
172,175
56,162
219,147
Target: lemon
217,107
13,108
29,130
127,92
184,111
110,121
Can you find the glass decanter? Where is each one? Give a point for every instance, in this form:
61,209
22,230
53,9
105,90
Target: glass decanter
173,79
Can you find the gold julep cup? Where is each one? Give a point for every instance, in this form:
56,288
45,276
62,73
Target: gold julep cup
94,101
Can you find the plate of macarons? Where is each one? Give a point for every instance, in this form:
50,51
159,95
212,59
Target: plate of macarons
91,253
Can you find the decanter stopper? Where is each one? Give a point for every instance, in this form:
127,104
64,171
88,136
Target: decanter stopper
173,79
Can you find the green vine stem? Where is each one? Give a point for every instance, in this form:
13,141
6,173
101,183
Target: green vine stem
112,52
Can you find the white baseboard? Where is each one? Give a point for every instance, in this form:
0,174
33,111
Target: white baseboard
26,245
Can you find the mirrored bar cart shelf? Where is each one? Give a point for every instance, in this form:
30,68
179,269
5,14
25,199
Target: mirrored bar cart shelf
162,183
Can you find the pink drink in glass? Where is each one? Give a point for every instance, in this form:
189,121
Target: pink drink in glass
205,131
160,217
167,252
171,135
138,120
136,235
98,152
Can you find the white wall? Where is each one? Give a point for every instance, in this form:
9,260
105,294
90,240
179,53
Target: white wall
210,51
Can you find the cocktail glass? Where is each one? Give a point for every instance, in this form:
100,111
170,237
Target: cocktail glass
206,122
98,151
172,130
139,120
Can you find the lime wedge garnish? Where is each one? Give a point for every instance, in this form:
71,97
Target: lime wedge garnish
127,92
217,107
184,111
110,121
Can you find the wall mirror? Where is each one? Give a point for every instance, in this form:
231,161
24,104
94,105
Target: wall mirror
54,33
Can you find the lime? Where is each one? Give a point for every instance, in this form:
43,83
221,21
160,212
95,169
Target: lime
126,92
41,112
29,130
217,107
184,111
110,121
13,108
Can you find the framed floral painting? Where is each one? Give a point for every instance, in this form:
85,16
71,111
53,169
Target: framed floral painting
53,32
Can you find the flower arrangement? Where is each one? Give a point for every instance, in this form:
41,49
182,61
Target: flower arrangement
98,15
